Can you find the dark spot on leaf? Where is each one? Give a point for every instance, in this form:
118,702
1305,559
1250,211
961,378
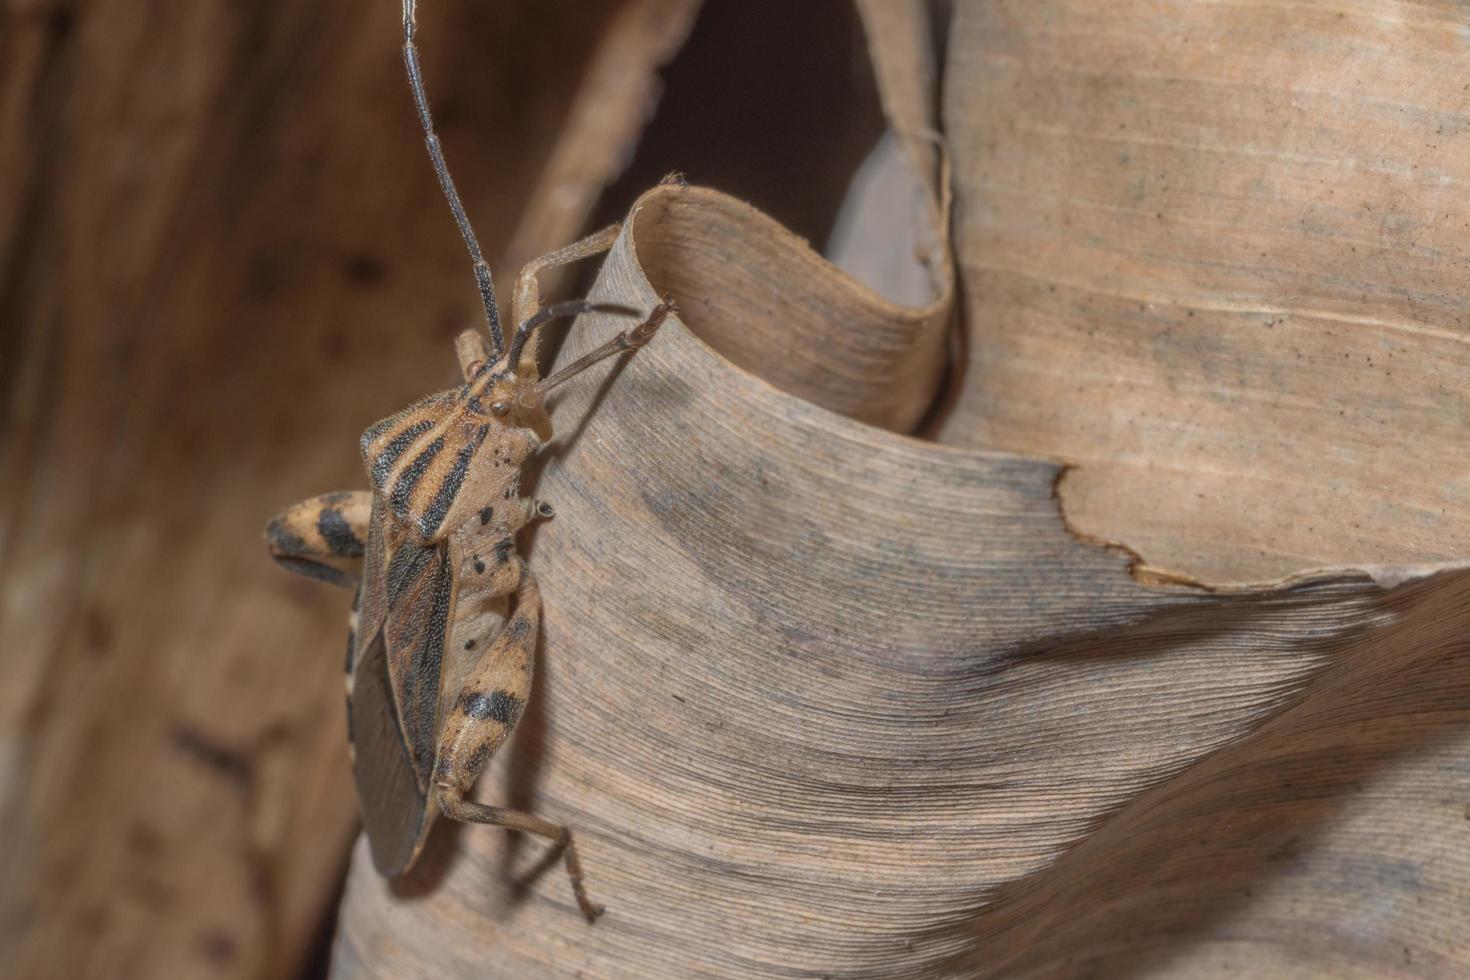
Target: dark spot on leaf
223,759
364,269
144,841
97,631
219,947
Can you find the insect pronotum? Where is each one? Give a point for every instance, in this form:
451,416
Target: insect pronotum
431,546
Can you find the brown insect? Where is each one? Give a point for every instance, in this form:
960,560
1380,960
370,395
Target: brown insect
432,547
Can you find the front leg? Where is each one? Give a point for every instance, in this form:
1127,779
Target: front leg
323,538
483,717
526,299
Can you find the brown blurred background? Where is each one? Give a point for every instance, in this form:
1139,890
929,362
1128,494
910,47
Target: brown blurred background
222,254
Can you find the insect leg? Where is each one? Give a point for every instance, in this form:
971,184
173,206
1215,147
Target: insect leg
526,300
322,538
484,715
625,341
472,351
468,811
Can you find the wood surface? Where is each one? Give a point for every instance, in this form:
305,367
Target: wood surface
824,700
222,252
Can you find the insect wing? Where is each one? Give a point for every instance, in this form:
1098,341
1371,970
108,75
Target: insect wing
406,606
395,811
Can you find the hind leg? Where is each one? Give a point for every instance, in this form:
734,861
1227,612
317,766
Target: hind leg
468,811
323,538
485,713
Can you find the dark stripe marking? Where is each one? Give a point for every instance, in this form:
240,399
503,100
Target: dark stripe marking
501,706
449,489
338,534
412,474
397,446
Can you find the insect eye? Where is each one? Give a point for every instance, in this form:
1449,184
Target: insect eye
500,409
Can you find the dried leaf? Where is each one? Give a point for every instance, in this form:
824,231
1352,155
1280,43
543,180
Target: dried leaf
824,700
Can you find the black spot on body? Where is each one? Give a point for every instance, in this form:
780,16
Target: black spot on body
338,534
479,566
503,551
518,628
469,644
485,514
501,706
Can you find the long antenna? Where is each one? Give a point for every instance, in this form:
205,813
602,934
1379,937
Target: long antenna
441,170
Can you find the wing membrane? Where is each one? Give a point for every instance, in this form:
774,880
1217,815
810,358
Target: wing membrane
404,614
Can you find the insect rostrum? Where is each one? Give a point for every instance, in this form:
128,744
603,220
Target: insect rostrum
432,546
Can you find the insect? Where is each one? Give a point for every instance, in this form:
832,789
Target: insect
431,548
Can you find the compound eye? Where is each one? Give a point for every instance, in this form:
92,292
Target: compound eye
500,409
